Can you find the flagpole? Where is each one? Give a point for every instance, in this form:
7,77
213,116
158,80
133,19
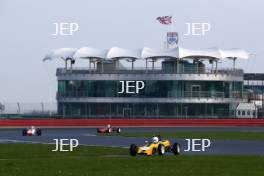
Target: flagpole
171,30
167,20
172,23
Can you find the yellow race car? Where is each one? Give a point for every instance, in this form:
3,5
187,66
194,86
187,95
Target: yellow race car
156,146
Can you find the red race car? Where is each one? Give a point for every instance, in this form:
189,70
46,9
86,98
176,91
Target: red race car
108,129
32,131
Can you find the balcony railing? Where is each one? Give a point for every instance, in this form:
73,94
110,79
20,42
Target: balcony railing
185,94
185,70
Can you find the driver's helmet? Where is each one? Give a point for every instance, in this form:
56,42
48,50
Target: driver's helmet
155,139
108,126
32,127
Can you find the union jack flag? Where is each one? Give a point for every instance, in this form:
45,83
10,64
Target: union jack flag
164,20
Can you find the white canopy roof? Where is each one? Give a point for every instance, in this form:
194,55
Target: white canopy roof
146,52
116,52
234,53
209,52
86,52
150,52
62,53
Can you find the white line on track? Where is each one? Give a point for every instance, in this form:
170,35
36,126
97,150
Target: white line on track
39,142
89,134
22,141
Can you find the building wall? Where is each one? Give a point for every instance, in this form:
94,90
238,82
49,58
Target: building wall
142,110
188,90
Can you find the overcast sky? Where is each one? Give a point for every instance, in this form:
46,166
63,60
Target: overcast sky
27,25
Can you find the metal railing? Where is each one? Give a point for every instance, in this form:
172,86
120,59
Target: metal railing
141,70
170,94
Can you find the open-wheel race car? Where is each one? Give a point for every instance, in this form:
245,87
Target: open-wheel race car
108,129
156,146
32,131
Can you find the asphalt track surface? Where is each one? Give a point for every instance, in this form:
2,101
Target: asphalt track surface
89,136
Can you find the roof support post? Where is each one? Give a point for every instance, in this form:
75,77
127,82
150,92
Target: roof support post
65,61
216,65
95,64
234,62
89,63
178,66
132,60
71,66
117,60
102,67
153,64
197,66
133,64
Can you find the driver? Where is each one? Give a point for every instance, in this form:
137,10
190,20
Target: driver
33,129
155,139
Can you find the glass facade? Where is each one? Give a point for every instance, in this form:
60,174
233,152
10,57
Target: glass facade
153,89
158,89
144,110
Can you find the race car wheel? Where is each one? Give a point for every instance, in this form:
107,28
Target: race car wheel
154,150
118,130
38,132
133,150
24,132
176,149
161,149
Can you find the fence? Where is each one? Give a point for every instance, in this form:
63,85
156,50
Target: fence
16,110
142,70
50,111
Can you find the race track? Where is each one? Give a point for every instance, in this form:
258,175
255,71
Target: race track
88,136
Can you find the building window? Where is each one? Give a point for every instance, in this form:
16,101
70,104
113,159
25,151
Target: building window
238,112
248,112
243,113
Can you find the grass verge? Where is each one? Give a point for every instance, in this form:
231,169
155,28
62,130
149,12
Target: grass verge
37,159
